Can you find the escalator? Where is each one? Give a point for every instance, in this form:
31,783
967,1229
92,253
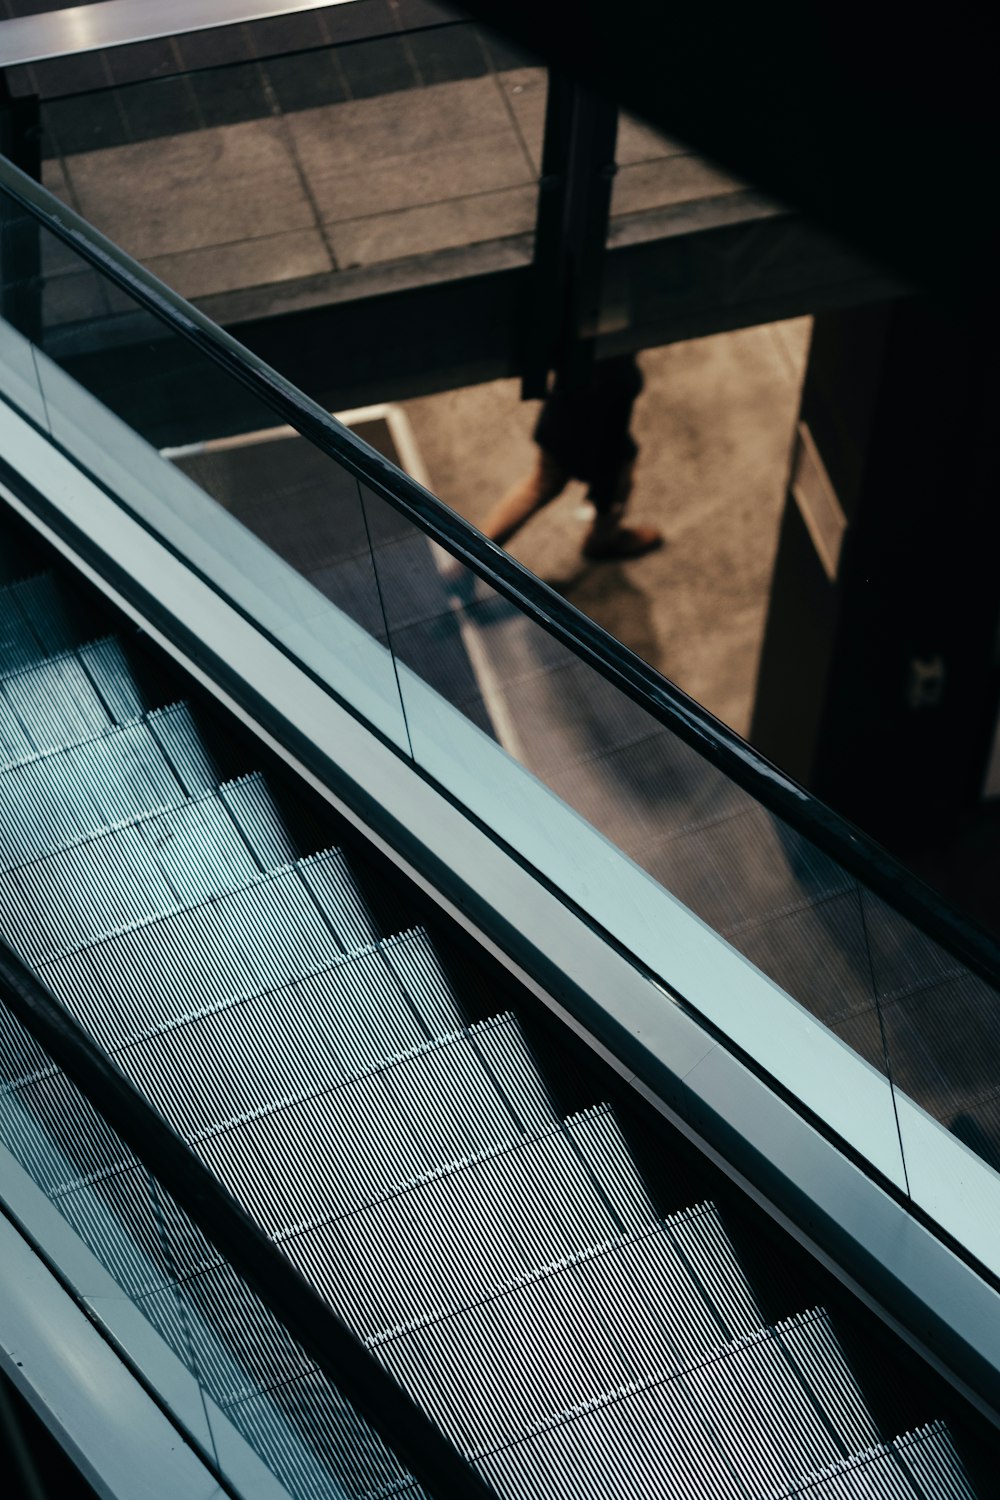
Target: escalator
505,1263
326,1033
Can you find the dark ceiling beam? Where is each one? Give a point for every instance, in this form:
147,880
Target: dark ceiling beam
881,127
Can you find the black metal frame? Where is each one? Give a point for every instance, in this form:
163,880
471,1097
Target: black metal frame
571,234
665,702
337,1351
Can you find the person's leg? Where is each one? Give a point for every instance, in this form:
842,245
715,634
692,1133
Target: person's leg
543,484
608,538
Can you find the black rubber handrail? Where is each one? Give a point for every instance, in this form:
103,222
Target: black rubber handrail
965,939
341,1356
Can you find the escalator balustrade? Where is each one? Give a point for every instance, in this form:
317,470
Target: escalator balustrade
506,1264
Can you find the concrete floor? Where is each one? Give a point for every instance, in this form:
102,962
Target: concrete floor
714,426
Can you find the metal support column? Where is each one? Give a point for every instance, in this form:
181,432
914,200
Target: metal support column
574,204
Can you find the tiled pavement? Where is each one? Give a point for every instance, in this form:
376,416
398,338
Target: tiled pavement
281,173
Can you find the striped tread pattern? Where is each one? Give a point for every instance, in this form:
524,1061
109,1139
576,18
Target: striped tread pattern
505,1264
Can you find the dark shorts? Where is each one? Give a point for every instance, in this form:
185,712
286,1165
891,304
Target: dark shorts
587,432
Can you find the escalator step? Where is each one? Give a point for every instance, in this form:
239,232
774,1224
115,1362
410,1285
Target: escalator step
297,1038
414,960
920,1465
462,1234
55,614
571,1333
932,1463
51,1115
49,706
178,736
745,1422
336,1152
123,878
112,675
341,1457
67,795
190,961
338,896
19,645
260,821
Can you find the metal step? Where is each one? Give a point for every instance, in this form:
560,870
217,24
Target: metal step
123,878
336,1152
179,738
339,897
747,1422
67,795
37,620
287,1042
183,964
339,1457
646,1305
62,701
464,1233
920,1465
260,820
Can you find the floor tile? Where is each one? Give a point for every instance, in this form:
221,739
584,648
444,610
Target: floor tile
449,173
526,90
278,34
54,178
209,49
90,122
161,107
381,66
224,268
72,298
307,81
350,23
227,96
504,53
364,132
640,142
675,179
193,190
434,226
141,60
56,76
447,53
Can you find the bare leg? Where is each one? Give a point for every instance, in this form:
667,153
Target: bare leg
519,504
608,538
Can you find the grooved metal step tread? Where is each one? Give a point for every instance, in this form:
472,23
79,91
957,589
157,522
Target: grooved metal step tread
644,1305
36,621
67,795
333,1448
181,964
123,878
754,1409
462,1234
296,1039
66,699
335,1152
919,1465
